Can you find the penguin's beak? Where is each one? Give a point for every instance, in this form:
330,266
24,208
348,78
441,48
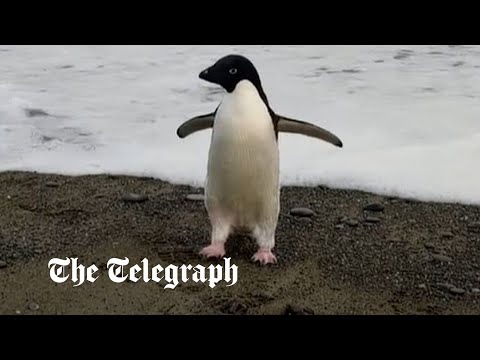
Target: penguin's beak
208,75
204,74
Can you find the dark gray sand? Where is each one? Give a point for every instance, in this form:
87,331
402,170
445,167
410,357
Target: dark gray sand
401,257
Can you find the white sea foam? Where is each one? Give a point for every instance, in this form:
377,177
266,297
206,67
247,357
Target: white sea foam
409,116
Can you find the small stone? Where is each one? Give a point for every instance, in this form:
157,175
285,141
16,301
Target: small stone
412,221
9,197
445,286
297,310
302,212
3,264
33,306
18,312
457,291
429,246
442,258
475,291
340,227
438,251
134,198
342,219
352,222
195,197
374,207
38,251
372,220
447,234
265,296
237,308
52,184
422,286
474,225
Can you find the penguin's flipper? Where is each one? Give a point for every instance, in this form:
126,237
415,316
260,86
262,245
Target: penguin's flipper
196,124
286,125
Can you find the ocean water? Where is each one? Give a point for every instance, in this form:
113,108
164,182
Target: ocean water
409,116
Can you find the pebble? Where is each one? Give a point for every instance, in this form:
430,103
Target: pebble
352,222
374,207
265,296
18,312
302,212
422,286
438,251
442,258
474,225
33,306
340,227
134,198
457,291
3,264
475,291
52,184
447,234
195,197
342,220
429,246
445,286
372,220
297,310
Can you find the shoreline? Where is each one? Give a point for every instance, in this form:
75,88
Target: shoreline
403,256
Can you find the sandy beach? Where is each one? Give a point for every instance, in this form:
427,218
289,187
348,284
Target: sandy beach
399,257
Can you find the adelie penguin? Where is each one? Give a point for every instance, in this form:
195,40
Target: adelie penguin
242,188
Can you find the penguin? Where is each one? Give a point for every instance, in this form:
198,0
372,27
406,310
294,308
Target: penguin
242,188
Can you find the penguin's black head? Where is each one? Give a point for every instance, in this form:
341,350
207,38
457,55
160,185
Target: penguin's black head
230,70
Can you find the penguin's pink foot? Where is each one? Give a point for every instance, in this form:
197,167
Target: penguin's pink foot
213,251
264,257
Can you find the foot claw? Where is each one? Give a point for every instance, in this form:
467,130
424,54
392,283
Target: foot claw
264,257
213,251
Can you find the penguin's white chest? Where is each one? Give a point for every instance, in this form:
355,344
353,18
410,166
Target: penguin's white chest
243,165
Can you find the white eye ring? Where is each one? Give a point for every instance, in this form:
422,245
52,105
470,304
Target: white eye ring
233,71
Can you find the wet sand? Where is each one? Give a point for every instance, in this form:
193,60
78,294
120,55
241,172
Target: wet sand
405,257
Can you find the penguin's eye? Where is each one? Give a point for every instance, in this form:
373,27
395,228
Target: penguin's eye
233,71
